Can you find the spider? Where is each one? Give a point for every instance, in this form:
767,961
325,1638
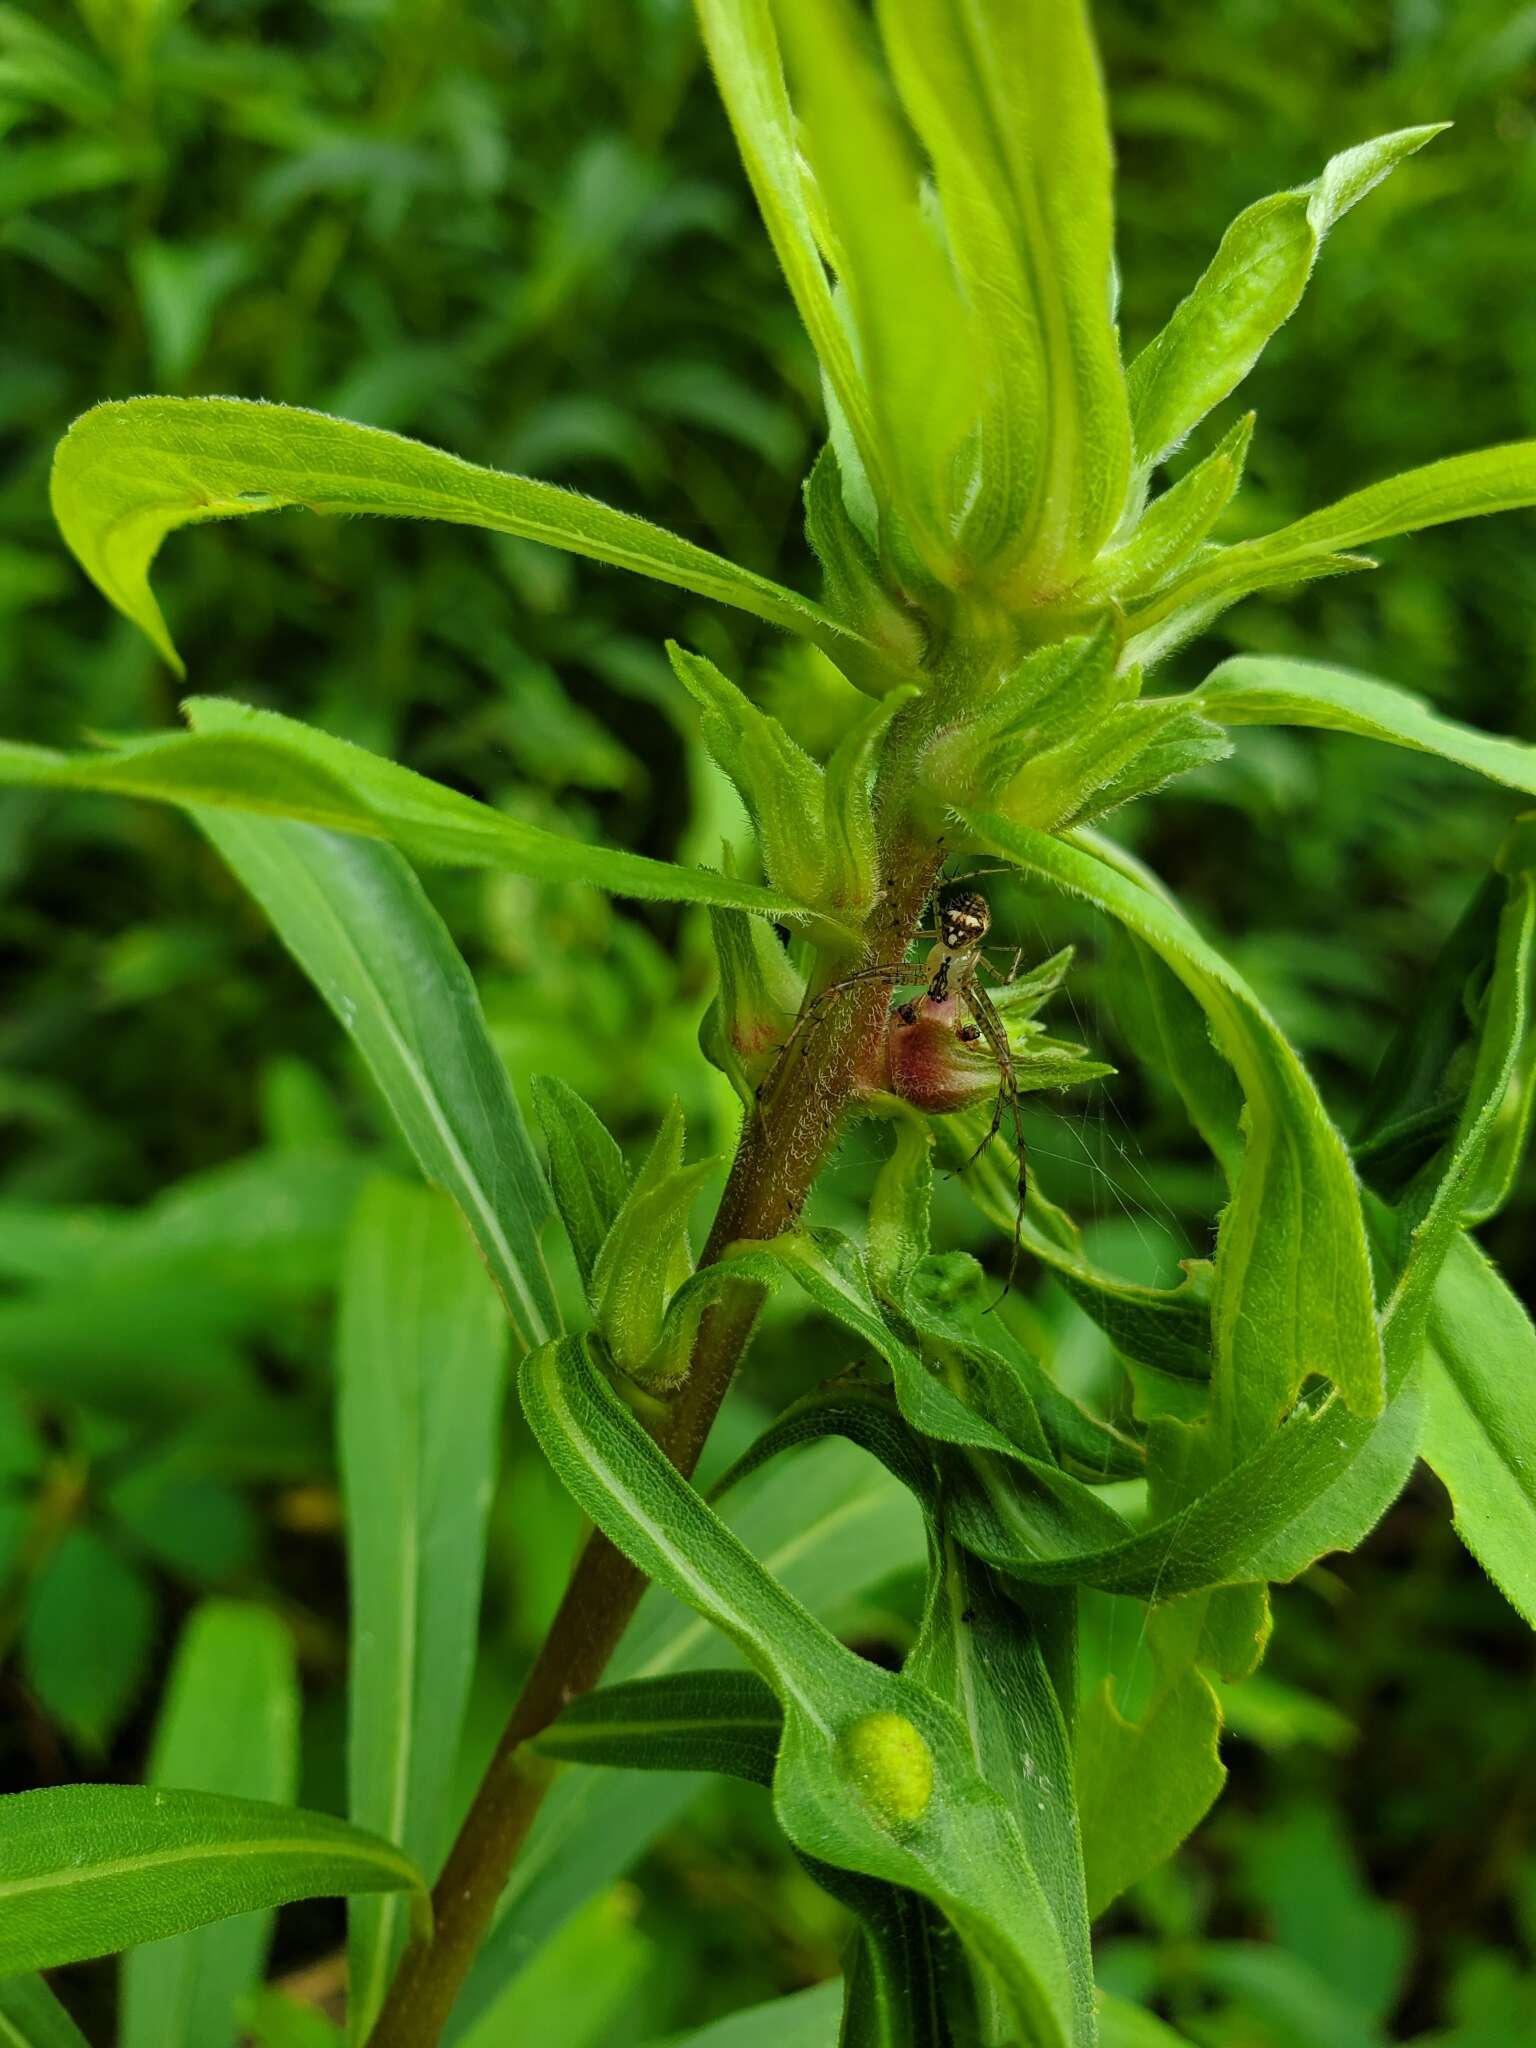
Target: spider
953,975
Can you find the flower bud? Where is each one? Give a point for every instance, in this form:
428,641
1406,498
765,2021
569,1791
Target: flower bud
937,1058
758,1000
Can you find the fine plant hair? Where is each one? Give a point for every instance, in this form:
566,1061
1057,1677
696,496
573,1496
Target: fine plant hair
1008,567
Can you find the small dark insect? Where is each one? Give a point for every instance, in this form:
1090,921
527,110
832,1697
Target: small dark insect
783,934
969,1616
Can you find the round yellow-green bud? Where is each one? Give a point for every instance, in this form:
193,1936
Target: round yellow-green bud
891,1764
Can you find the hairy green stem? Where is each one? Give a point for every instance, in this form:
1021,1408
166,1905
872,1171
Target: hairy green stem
784,1144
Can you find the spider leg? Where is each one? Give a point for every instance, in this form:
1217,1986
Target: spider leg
974,875
1001,980
981,1008
814,1012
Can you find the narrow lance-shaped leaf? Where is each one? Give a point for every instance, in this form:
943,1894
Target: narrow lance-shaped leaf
130,472
725,1721
242,759
874,1774
31,2017
1479,1430
1481,1351
1258,689
229,1725
912,325
86,1870
744,51
586,1168
933,66
805,2019
1166,1328
1047,1512
1461,487
421,1355
1172,527
358,921
1252,287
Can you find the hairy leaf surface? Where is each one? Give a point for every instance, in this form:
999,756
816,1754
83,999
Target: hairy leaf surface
130,472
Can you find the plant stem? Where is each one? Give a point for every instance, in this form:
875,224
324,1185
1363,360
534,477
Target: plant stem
784,1144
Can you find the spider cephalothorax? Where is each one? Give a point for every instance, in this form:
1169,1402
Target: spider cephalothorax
964,920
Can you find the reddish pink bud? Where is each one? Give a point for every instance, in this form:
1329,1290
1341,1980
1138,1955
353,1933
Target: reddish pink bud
933,1061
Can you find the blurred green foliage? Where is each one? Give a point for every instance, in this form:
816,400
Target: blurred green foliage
519,230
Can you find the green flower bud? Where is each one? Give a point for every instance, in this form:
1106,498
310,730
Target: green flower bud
646,1256
758,1000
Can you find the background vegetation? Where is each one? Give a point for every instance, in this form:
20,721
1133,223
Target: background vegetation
520,231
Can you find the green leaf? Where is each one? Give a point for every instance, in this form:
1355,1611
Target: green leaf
758,997
806,2019
874,1775
1461,487
1045,1511
1422,1075
358,922
983,1653
725,1721
852,583
778,782
1252,287
1480,1423
86,1870
87,1591
1172,527
1299,1869
586,1168
128,473
246,760
730,1721
1123,2025
276,2021
1256,689
420,1364
744,52
31,2017
1168,1328
1009,102
1293,1294
851,877
912,326
1320,1482
831,1526
229,1725
1144,1783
